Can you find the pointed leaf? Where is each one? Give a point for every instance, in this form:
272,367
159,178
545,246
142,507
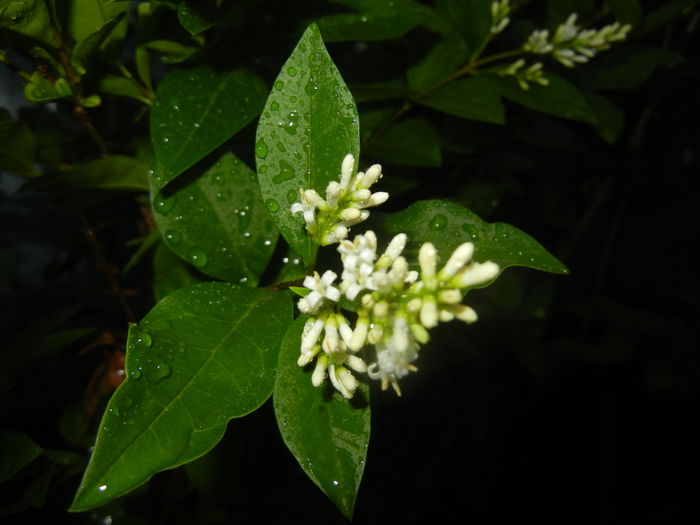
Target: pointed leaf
218,222
202,356
308,125
195,111
170,273
87,47
16,450
29,18
116,172
410,142
447,225
474,98
327,434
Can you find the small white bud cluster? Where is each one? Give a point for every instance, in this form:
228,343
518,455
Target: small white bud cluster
396,308
345,204
499,15
525,75
570,45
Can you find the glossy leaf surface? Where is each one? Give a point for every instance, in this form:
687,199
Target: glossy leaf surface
217,221
327,433
308,125
195,112
202,356
447,225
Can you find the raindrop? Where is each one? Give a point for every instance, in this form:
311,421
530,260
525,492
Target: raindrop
471,230
267,243
290,124
278,85
261,149
161,370
438,222
292,99
135,374
286,173
272,205
173,237
335,483
292,71
243,280
197,257
163,205
127,403
292,196
274,105
102,488
311,87
165,139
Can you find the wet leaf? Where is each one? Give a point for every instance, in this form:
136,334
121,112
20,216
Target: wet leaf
200,357
447,225
327,434
308,125
197,110
218,222
29,18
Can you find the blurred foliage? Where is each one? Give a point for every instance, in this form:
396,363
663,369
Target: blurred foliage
571,400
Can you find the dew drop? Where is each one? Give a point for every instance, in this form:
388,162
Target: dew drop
471,230
262,169
261,149
163,205
135,374
291,122
102,488
173,237
278,85
267,243
438,222
292,72
272,205
197,257
243,280
246,234
127,403
335,483
292,196
274,105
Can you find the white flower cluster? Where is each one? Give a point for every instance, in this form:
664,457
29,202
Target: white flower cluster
571,45
499,15
525,75
397,306
345,203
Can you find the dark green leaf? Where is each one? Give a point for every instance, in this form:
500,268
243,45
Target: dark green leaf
445,57
474,98
308,126
41,89
611,120
82,18
327,434
195,112
116,172
410,142
196,17
374,91
87,47
170,273
666,13
145,244
374,21
560,98
559,10
28,18
16,451
447,225
17,146
218,222
202,356
628,68
472,19
627,11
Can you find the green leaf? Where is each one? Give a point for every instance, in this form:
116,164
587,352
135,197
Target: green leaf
308,126
41,89
116,172
628,68
173,52
16,451
17,146
667,12
196,111
473,98
410,142
374,21
559,10
560,98
87,47
28,18
611,119
82,18
373,91
327,434
170,273
202,356
447,225
218,221
123,87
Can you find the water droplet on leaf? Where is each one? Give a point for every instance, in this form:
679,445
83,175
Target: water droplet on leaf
161,370
163,205
261,149
278,85
197,257
286,172
438,222
272,205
